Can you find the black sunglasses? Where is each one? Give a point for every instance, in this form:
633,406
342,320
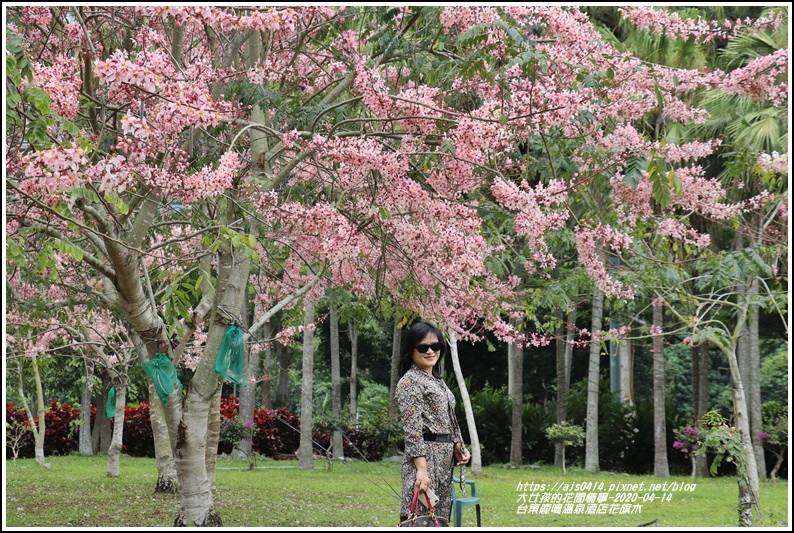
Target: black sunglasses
436,347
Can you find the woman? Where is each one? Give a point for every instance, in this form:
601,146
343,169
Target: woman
433,441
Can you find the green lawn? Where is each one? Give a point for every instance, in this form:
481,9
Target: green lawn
76,492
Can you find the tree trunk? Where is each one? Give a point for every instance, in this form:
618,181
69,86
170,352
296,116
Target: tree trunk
741,420
395,368
754,380
84,441
267,378
247,397
780,458
353,373
213,437
100,438
660,466
563,353
284,362
37,424
515,354
305,452
245,411
745,507
569,335
116,442
701,354
194,434
593,374
562,458
164,459
562,393
476,456
337,447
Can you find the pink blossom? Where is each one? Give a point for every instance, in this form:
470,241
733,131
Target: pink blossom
773,162
662,22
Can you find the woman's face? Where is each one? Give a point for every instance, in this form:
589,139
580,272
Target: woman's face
426,361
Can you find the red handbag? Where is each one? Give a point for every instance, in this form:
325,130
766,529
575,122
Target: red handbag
427,519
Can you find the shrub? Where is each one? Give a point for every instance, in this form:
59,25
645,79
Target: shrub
138,440
19,436
617,425
275,432
60,433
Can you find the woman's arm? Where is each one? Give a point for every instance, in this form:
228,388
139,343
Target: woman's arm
409,401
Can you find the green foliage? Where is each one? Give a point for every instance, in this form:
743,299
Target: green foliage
565,433
723,441
493,415
617,424
774,377
374,419
775,424
234,431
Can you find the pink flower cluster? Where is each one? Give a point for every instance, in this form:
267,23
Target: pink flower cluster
464,17
355,157
759,78
208,182
37,16
61,82
668,23
260,19
587,241
773,162
677,230
534,214
678,153
52,170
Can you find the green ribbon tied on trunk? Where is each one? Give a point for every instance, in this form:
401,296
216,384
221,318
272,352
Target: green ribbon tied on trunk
163,374
230,363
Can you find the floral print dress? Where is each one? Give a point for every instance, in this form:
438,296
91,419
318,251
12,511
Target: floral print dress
427,406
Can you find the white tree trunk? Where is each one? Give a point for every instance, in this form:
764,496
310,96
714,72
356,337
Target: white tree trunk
591,461
167,482
84,440
660,465
245,411
117,440
476,455
742,420
37,428
267,378
336,382
353,373
395,368
305,453
194,434
754,380
515,354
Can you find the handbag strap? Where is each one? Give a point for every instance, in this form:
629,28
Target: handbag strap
415,509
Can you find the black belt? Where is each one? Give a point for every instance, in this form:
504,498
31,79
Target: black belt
437,437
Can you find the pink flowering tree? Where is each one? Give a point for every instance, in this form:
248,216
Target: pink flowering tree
323,147
62,320
714,298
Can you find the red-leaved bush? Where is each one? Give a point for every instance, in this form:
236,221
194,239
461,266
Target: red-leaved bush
278,432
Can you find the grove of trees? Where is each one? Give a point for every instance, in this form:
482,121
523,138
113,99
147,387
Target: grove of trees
208,193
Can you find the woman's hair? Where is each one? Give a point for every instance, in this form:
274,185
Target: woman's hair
415,334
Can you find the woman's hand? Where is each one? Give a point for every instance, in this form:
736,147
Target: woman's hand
422,478
462,455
